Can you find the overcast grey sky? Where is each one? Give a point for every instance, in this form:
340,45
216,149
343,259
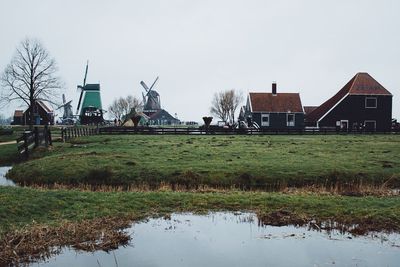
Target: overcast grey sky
199,47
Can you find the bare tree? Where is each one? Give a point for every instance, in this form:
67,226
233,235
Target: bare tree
121,107
225,104
30,76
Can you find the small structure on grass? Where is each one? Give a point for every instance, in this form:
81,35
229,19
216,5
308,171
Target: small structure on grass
275,111
362,104
152,107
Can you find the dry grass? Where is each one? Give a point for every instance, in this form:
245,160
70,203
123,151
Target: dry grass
358,190
38,242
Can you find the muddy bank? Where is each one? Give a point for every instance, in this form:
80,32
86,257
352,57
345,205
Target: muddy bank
38,242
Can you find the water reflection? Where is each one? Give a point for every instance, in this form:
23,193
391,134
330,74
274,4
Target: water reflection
227,239
3,180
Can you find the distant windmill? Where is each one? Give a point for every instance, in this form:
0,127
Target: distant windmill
90,112
151,99
68,115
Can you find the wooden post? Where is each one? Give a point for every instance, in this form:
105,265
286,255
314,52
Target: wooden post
45,135
36,135
49,137
26,146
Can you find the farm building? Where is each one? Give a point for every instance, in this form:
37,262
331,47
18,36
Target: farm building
362,103
152,107
18,117
43,115
275,111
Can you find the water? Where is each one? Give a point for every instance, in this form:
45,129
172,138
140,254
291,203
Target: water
226,239
3,180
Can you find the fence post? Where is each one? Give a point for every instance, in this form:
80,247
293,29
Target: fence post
62,135
36,135
49,137
26,146
45,135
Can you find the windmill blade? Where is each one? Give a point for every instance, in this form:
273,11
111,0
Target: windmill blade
86,71
150,95
151,87
79,102
63,98
144,86
144,98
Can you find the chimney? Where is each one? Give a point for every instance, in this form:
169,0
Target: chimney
273,88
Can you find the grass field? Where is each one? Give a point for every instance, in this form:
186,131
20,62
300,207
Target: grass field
264,162
22,206
8,154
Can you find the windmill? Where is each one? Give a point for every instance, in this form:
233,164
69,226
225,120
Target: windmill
151,98
68,115
89,107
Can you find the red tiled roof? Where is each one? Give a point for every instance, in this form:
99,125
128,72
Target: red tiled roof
361,84
281,102
309,109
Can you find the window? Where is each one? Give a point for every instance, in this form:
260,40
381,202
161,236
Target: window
264,119
370,102
290,120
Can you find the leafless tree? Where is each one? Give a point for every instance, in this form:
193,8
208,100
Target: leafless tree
225,104
121,107
30,76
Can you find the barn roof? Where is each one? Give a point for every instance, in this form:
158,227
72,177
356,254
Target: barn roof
309,109
280,102
18,113
361,84
44,106
162,114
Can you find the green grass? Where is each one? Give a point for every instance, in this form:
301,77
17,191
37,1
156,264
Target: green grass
8,154
23,206
267,162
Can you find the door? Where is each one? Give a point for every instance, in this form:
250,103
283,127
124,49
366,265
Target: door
344,125
370,126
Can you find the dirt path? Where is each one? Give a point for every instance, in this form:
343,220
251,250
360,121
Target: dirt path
8,143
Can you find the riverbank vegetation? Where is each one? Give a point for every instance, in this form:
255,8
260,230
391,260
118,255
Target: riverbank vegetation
60,217
245,162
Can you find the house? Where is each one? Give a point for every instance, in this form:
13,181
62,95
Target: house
18,117
43,115
275,111
161,117
362,103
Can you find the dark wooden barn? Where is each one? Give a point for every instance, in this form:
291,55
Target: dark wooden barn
18,118
42,114
362,104
275,111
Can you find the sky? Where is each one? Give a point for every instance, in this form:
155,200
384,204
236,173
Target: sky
197,48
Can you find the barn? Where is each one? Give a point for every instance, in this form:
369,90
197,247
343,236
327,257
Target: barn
275,111
362,104
42,115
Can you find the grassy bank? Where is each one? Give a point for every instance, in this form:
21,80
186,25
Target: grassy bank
265,162
8,154
22,206
35,224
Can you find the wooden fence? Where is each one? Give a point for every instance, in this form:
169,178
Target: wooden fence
32,139
225,131
68,133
